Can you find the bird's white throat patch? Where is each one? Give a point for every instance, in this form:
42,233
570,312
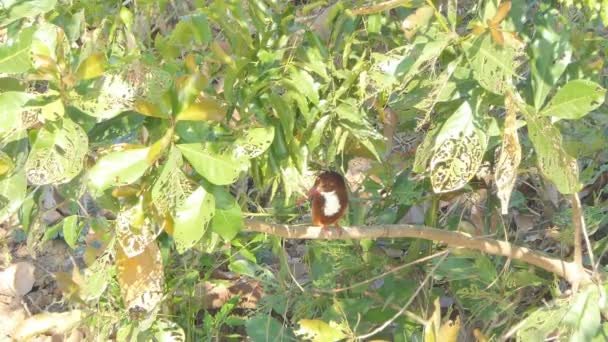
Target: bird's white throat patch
332,203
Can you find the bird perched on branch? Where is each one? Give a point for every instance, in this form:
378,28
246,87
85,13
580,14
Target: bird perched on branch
329,199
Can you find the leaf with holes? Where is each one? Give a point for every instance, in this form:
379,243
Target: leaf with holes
117,90
118,168
555,163
218,167
458,149
141,279
253,142
134,229
509,158
228,218
493,65
172,187
424,152
575,99
192,218
58,153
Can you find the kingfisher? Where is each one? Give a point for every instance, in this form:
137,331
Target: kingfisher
329,198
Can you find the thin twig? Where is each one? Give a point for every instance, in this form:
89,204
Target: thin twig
400,312
396,269
580,230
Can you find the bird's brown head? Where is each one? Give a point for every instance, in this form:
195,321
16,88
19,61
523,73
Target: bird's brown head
328,181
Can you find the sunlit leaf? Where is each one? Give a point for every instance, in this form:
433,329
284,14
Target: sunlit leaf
172,187
17,9
58,153
550,52
318,331
192,218
205,109
253,142
575,99
71,230
555,163
228,218
93,66
135,229
12,193
118,168
15,57
584,316
493,66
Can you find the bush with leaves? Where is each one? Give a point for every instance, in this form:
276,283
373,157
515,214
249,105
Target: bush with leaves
154,128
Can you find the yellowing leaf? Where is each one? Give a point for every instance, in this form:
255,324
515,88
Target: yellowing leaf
6,164
204,110
501,13
148,109
93,66
509,158
318,331
140,278
448,332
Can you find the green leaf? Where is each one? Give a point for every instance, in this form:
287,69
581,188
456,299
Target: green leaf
17,9
219,168
253,142
11,107
492,65
550,53
93,66
118,168
575,99
318,331
120,129
584,315
228,219
459,148
172,187
191,219
12,193
554,162
302,82
58,153
71,230
15,58
265,328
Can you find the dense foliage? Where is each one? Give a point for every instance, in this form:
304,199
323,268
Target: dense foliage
145,134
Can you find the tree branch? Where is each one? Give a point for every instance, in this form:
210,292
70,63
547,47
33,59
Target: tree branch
570,271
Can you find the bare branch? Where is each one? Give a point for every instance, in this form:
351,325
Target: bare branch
570,271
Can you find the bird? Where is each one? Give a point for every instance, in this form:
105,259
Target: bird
329,198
